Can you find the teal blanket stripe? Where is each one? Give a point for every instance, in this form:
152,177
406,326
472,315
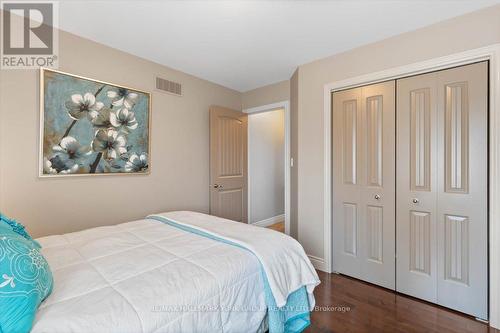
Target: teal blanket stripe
294,317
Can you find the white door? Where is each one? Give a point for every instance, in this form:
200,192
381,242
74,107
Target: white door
442,175
228,163
364,183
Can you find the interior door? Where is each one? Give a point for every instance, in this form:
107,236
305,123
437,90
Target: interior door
364,183
442,172
228,163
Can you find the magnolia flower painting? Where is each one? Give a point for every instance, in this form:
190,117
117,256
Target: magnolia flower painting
92,127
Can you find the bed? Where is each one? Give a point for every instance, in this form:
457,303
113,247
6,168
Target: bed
175,272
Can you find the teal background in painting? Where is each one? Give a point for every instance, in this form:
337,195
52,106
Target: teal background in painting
58,88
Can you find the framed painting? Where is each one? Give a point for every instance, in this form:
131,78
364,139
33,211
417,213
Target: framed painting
91,127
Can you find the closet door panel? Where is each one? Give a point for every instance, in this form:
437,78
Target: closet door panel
364,187
377,164
462,190
442,223
416,228
346,137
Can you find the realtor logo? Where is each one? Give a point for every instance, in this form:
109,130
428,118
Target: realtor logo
29,39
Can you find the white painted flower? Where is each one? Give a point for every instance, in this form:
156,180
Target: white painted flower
70,149
137,163
123,119
110,143
102,120
83,106
47,167
123,97
55,165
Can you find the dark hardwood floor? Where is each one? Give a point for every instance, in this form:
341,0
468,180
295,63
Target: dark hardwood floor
362,307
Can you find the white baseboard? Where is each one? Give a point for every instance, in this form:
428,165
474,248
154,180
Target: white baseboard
318,263
270,221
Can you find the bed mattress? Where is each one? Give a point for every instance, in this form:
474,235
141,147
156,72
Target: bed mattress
146,276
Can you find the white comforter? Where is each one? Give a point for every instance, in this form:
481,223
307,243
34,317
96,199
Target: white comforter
146,276
283,259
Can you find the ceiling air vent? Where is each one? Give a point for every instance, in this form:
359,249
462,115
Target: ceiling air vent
169,86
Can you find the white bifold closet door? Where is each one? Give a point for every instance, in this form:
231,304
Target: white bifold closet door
442,158
364,183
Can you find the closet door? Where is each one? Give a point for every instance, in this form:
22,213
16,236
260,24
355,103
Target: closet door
364,184
416,174
442,188
463,189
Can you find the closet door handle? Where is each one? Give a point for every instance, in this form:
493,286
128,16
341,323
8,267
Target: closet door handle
415,200
377,196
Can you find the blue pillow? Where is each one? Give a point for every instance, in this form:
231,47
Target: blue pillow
25,280
17,227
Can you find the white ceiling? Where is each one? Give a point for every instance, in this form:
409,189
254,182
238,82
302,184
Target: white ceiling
248,44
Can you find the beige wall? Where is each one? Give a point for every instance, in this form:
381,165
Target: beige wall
269,94
180,142
463,33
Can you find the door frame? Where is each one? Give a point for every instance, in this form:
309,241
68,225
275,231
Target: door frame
271,107
490,53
